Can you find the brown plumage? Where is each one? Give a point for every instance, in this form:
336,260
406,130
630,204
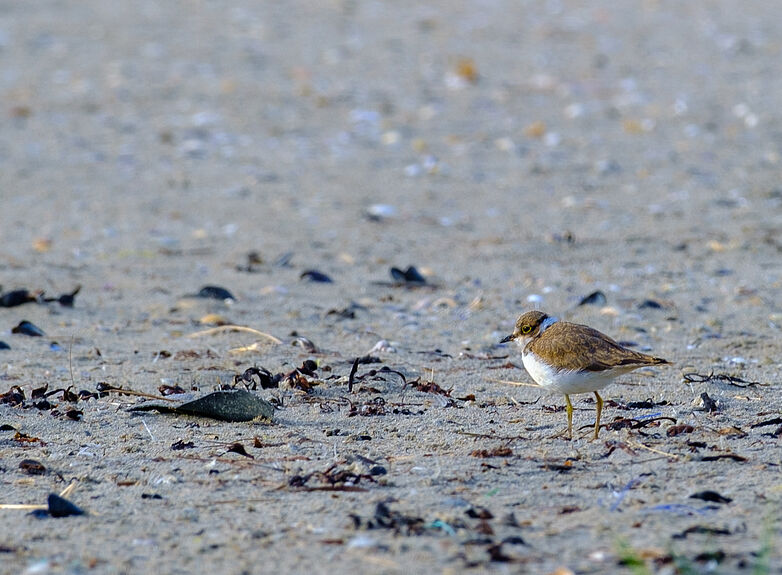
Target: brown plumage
577,347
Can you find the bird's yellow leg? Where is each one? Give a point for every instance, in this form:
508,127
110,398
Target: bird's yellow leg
569,417
599,412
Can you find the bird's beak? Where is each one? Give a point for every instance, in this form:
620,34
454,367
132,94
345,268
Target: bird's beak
508,338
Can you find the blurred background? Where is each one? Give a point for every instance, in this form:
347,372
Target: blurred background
542,139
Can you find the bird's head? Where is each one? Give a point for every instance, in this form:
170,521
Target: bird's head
528,326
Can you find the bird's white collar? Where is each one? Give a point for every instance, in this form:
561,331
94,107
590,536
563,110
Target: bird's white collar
547,323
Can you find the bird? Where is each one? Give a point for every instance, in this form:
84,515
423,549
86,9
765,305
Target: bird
572,358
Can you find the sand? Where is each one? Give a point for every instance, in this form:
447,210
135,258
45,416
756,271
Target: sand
520,154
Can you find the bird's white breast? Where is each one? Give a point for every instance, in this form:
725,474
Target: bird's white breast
564,381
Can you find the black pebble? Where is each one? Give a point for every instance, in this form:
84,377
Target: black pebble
27,328
215,292
711,496
316,276
67,299
514,540
15,298
32,467
650,304
61,507
4,345
410,275
378,470
595,298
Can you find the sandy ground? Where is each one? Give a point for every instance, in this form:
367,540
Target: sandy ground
520,154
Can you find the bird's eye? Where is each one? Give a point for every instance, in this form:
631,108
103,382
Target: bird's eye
526,329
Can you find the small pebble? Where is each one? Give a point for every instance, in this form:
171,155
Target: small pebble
32,467
595,298
215,292
382,346
61,507
361,542
16,297
27,328
711,497
410,276
213,319
316,276
378,212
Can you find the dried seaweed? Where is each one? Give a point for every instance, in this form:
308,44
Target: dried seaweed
265,378
375,406
774,421
730,379
74,414
709,405
674,430
170,390
732,456
645,404
239,449
630,423
374,374
180,444
13,396
564,467
386,518
104,388
701,530
428,387
332,479
24,438
22,296
503,451
613,445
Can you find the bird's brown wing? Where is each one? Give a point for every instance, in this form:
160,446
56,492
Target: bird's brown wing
577,347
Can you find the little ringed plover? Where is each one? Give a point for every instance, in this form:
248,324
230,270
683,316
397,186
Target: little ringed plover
572,358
